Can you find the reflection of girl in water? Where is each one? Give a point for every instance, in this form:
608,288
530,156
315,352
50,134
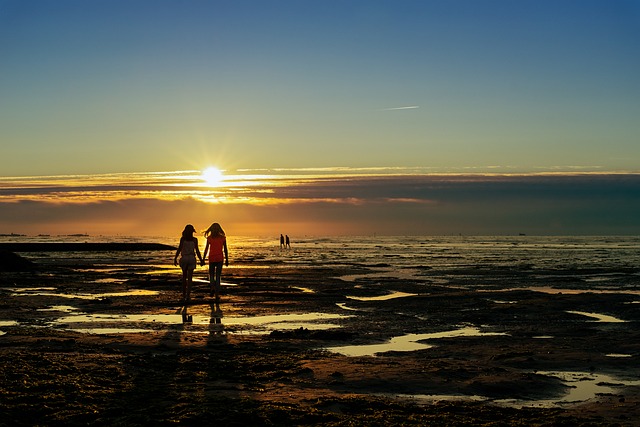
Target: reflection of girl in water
217,248
187,250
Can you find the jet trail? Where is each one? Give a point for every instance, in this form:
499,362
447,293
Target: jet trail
411,107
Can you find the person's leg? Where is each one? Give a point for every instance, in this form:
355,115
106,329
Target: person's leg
212,278
218,274
189,280
184,284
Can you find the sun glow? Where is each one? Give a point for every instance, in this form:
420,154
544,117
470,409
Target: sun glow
212,176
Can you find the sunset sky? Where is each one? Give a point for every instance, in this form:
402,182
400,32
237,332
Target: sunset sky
326,117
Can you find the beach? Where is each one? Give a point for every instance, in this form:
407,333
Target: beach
376,331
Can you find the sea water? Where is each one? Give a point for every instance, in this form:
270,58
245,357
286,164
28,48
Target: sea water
476,262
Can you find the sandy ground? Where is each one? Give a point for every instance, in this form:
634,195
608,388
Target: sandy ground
219,371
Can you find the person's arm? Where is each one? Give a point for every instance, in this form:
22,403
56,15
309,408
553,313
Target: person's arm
206,251
226,253
175,259
198,251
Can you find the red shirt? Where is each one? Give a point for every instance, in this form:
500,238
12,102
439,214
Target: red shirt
215,248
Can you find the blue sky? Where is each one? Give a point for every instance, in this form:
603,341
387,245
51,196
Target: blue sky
135,86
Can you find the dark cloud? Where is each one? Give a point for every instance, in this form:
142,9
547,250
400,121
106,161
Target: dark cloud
581,204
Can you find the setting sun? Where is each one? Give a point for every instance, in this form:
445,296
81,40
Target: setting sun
212,176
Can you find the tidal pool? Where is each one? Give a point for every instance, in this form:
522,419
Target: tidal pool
582,386
63,308
304,290
389,296
409,342
51,292
550,290
382,273
7,323
603,318
96,323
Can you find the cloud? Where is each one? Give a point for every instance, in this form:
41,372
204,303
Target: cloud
356,204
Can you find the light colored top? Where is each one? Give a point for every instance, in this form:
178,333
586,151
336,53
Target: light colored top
188,248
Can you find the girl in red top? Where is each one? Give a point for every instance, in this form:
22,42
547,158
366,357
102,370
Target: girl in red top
217,249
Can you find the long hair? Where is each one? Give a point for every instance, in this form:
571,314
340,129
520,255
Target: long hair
214,231
187,233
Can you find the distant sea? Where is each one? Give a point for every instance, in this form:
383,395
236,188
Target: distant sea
603,263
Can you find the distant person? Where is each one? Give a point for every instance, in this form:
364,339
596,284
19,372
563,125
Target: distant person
216,247
187,249
288,244
281,241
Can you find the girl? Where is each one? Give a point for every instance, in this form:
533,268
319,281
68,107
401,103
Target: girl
217,241
187,250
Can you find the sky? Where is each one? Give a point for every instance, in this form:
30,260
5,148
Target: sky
325,117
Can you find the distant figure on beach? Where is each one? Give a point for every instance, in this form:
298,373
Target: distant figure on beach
187,249
281,241
216,247
288,244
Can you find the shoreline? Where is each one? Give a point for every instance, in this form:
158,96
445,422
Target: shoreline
83,247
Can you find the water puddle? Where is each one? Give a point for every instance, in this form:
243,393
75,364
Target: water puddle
50,292
345,307
389,296
62,308
602,318
31,290
409,342
7,323
109,331
582,386
304,290
110,280
207,283
554,291
96,323
404,274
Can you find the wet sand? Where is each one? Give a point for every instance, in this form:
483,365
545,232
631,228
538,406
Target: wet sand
222,367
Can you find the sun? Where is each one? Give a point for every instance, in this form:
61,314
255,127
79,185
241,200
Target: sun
212,176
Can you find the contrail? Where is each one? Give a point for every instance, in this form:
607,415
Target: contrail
411,107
